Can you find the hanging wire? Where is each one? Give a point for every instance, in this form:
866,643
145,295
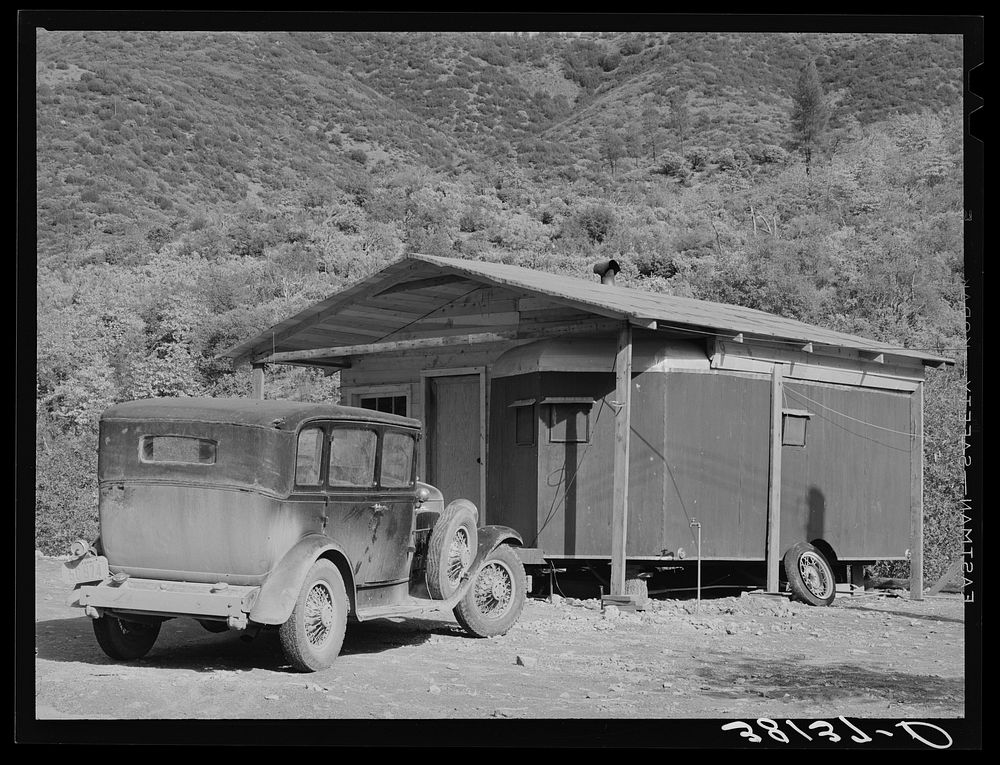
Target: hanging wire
556,499
854,419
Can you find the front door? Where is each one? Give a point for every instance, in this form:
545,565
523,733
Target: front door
371,500
454,436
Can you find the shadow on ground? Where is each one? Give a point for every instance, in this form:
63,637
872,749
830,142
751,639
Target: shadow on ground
773,678
184,644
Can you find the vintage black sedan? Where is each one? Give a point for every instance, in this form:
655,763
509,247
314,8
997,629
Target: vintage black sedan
247,514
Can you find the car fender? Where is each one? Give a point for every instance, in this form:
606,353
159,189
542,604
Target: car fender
490,538
277,595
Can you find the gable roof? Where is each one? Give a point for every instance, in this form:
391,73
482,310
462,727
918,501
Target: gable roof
408,291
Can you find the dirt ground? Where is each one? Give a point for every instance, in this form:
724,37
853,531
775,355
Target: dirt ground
873,655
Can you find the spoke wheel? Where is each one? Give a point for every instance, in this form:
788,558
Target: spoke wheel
459,556
493,591
451,548
810,576
314,633
496,598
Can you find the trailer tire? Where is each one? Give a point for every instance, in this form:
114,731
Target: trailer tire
451,548
810,575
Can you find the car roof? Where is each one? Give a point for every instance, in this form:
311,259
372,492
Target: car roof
264,413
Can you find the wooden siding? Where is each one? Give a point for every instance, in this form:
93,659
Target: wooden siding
716,463
512,470
850,483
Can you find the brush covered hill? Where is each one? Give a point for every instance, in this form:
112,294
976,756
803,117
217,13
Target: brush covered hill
194,188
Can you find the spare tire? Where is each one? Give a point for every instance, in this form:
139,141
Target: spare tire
810,575
452,548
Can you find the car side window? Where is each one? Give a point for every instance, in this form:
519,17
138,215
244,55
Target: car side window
352,457
309,457
397,460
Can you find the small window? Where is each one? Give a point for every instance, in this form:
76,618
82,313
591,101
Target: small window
524,426
524,422
182,450
352,457
793,427
569,423
309,457
397,460
392,404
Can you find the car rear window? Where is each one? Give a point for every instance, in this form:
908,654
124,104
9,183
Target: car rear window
352,457
309,457
185,450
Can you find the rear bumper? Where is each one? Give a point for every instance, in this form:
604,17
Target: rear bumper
154,597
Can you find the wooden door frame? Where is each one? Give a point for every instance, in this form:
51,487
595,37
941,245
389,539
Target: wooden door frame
424,391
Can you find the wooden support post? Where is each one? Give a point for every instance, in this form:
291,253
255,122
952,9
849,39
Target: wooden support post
257,378
774,481
623,417
917,493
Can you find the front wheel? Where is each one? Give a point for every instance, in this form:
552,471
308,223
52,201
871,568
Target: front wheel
496,598
451,548
312,636
810,576
125,640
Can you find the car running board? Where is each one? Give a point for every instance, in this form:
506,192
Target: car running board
410,606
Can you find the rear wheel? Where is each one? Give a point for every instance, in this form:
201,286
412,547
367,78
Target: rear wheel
125,640
496,598
810,575
314,633
452,548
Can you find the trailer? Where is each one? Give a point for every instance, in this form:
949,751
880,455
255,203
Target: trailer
612,425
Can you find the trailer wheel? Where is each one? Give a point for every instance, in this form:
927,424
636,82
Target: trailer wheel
810,576
125,640
452,548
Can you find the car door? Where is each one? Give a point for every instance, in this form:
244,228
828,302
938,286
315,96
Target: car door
374,523
395,506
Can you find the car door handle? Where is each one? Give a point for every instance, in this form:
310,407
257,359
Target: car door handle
379,508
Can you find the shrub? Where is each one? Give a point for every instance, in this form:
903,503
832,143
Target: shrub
631,46
726,159
357,155
65,490
471,219
597,222
697,156
674,165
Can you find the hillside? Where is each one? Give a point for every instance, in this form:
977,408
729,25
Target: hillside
194,188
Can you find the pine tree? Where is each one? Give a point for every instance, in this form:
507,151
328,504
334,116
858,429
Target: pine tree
810,112
680,118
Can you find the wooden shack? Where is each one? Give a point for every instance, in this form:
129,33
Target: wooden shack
601,421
